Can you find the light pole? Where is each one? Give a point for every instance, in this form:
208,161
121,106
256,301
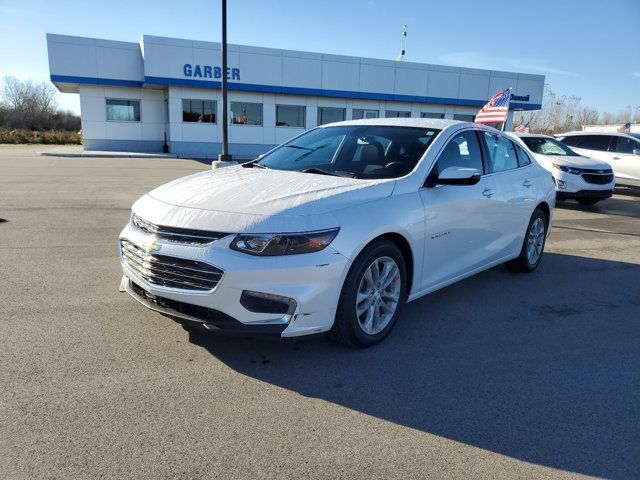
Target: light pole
224,156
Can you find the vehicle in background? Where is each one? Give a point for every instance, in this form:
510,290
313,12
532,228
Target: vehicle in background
336,229
583,179
620,150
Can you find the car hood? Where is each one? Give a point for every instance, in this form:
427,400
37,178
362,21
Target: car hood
576,162
262,192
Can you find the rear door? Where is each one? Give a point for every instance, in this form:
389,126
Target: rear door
461,220
625,164
515,185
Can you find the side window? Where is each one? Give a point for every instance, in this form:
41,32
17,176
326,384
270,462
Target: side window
523,157
502,153
572,141
625,145
461,151
595,142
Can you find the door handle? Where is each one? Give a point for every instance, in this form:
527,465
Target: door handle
488,192
527,183
616,158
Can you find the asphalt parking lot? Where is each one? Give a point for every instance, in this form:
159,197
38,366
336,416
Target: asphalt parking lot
500,376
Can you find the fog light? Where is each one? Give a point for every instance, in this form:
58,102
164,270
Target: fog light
259,302
562,184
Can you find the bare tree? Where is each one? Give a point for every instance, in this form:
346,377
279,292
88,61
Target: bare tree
564,113
28,105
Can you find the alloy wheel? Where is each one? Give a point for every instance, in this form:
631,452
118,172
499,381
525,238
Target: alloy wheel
378,295
535,241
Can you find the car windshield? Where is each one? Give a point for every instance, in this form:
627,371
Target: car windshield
635,135
358,151
548,146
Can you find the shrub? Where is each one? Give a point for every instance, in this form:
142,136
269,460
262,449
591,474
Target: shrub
46,137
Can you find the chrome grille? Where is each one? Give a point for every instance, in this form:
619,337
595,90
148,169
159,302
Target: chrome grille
168,271
175,234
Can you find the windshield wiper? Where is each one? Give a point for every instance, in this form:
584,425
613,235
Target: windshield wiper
337,173
298,147
255,164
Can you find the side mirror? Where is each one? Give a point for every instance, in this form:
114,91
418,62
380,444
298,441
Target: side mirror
457,176
636,151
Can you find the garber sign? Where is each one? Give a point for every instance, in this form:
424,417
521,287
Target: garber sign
207,71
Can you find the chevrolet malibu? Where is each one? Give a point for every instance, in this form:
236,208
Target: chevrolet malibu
338,228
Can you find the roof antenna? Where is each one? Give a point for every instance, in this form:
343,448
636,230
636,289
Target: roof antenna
404,35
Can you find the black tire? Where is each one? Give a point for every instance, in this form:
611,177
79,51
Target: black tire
346,327
587,201
522,262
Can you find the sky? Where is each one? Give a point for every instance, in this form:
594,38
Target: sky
586,48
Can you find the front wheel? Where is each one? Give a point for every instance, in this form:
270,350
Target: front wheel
372,296
533,244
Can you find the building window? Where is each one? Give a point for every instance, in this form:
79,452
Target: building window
463,117
330,115
243,113
359,113
200,111
290,116
123,110
396,114
431,115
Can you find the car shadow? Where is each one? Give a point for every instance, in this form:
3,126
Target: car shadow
618,206
544,368
627,191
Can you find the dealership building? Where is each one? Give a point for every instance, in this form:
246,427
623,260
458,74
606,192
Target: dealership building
166,92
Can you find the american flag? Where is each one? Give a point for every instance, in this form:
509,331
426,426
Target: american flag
626,128
496,110
523,128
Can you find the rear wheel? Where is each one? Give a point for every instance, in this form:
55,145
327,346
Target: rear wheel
533,244
587,201
372,296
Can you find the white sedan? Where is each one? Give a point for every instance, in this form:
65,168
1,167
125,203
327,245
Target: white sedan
336,229
584,179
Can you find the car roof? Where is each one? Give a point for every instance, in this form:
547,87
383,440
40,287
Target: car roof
438,123
526,135
581,132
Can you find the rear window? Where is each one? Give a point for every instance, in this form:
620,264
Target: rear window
625,145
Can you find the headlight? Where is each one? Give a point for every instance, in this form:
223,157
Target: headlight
574,171
270,244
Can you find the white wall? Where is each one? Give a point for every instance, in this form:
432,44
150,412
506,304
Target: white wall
94,114
165,58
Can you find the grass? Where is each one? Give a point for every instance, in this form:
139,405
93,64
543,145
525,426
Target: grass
48,137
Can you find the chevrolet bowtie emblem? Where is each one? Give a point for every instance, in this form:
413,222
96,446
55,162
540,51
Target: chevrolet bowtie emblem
152,247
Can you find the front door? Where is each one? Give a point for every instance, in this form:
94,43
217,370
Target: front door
461,222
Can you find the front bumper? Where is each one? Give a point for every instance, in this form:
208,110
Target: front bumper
601,194
569,185
312,280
